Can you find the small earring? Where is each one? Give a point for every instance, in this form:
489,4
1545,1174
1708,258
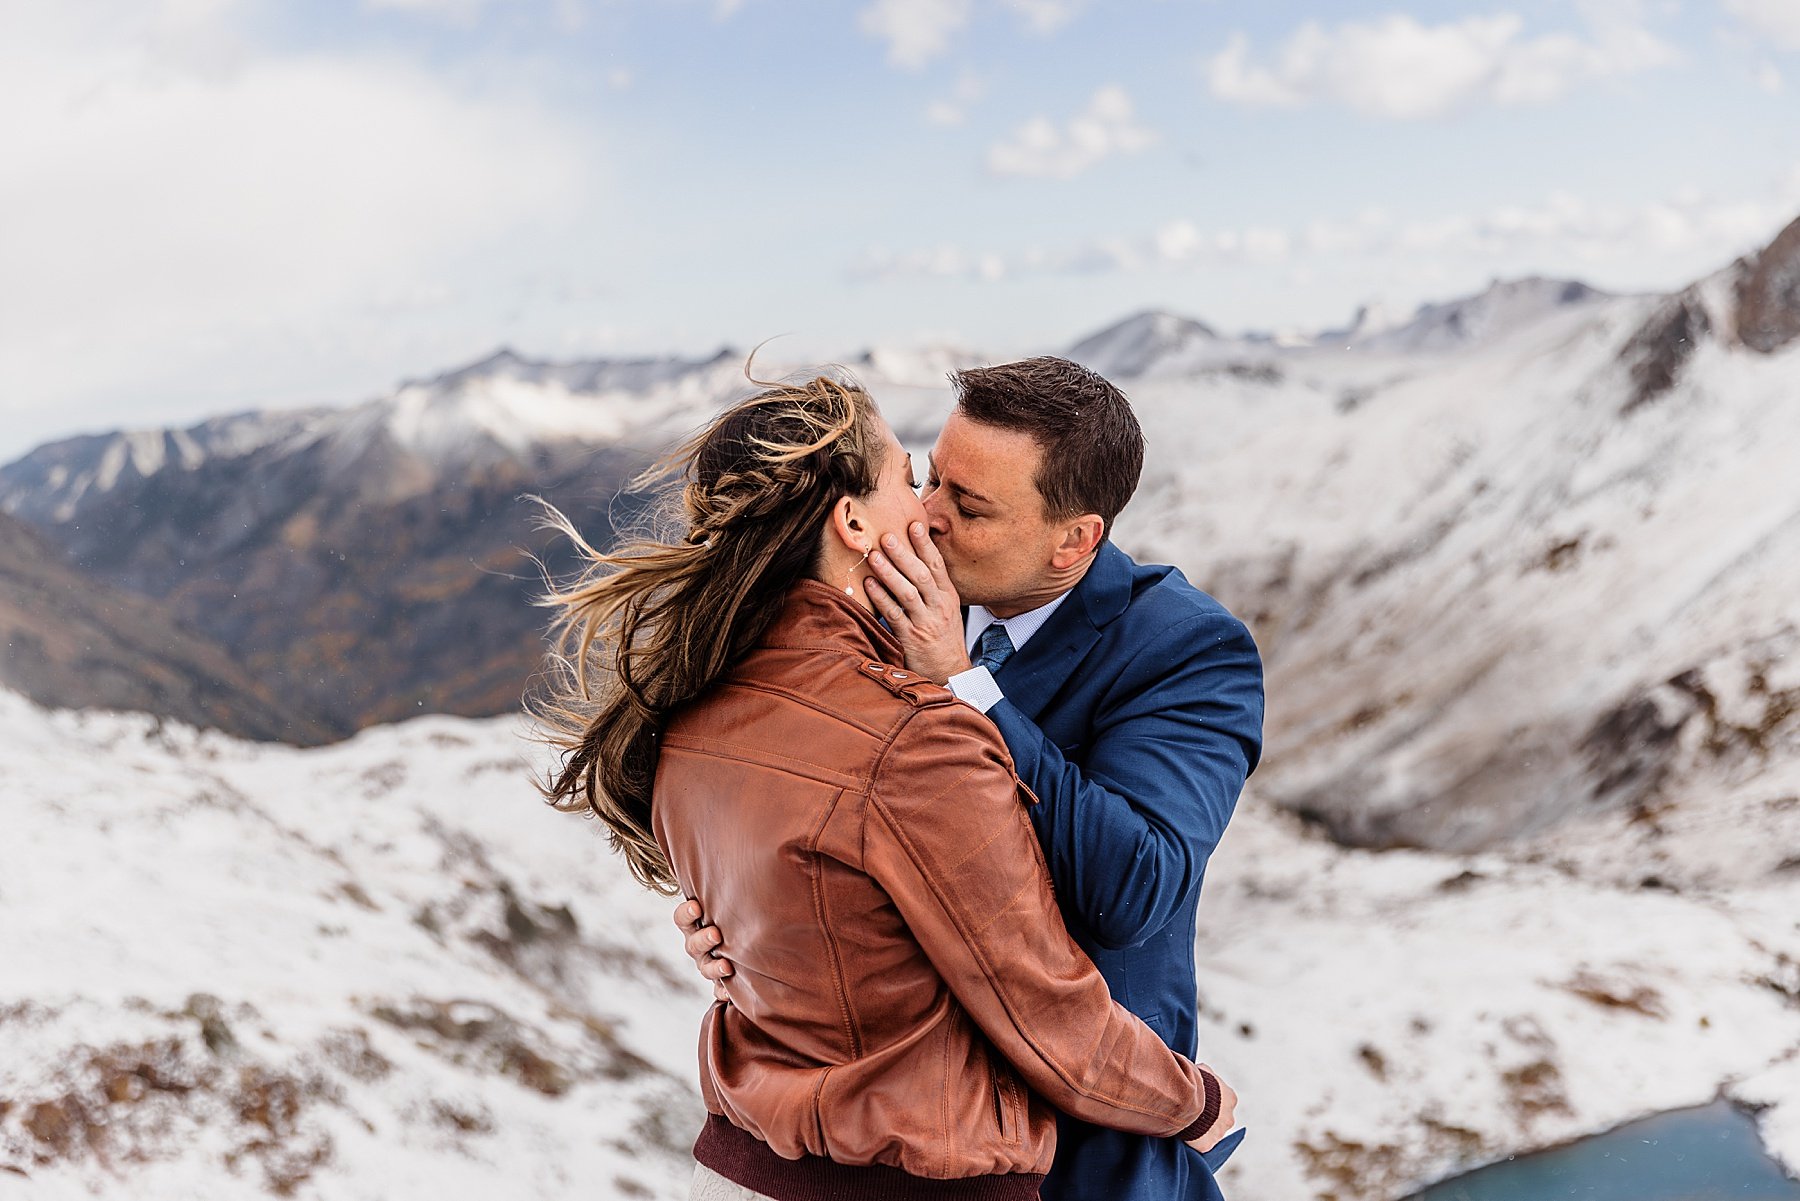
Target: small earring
850,588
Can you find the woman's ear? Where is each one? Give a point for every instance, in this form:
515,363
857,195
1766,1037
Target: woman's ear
848,526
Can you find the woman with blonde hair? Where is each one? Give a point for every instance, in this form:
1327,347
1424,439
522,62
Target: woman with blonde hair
907,1010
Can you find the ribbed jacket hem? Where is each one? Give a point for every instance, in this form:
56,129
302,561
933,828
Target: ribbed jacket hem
1215,1101
747,1160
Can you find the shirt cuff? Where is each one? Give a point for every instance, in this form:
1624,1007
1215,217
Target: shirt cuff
976,687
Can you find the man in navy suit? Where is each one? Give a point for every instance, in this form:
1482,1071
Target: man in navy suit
1131,702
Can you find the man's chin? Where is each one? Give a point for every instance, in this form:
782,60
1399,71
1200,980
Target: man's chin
958,582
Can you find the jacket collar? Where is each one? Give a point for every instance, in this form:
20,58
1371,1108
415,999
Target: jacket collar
816,615
1032,677
1105,590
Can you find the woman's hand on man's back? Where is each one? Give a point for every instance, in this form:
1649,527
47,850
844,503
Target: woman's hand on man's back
1227,1118
702,942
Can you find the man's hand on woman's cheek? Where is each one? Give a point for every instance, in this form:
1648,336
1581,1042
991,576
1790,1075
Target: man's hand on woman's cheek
912,592
702,941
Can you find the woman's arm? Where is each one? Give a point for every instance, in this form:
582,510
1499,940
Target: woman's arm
950,842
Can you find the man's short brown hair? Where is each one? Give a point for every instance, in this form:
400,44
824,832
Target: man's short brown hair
1093,450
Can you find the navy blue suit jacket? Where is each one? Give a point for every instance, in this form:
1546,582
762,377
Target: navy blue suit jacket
1135,715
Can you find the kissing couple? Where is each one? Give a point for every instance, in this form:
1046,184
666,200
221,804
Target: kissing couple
937,768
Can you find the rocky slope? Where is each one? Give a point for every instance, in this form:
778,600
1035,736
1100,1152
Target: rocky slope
382,969
378,561
371,562
70,641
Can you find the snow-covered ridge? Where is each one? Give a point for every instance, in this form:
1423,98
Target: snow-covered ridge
592,376
1157,343
501,409
505,405
52,481
1503,308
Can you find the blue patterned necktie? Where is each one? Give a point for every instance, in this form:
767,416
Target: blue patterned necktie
993,648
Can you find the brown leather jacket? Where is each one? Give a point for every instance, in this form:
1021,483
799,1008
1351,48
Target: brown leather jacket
905,990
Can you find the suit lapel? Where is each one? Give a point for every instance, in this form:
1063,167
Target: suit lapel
1032,677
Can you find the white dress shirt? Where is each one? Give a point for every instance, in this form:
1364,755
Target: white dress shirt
977,685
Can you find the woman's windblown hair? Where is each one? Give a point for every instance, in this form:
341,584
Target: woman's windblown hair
654,623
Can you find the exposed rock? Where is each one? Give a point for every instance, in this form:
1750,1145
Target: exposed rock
1768,295
1656,354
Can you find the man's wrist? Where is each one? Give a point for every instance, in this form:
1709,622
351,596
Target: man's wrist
976,687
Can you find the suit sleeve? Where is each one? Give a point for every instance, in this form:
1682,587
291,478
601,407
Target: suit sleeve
1127,834
946,838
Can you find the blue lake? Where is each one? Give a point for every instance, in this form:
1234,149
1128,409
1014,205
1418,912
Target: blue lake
1688,1155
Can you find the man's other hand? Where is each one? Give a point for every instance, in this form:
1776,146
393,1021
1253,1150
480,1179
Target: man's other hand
1227,1119
702,941
912,592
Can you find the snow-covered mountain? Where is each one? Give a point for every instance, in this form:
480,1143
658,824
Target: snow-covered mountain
384,969
52,482
1503,308
1142,343
1155,344
502,410
373,561
1499,589
1527,599
1418,511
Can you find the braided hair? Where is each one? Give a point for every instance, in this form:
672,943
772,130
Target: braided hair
655,623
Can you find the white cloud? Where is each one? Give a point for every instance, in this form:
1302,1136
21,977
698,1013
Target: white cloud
1397,68
1777,20
168,210
916,31
1768,78
954,108
1046,16
461,12
1108,126
945,261
568,14
1561,233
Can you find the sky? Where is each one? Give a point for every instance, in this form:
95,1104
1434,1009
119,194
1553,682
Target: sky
214,205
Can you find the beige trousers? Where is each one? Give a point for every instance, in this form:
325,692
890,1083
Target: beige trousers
710,1186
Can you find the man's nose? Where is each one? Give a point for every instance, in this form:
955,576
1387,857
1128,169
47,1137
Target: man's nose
936,517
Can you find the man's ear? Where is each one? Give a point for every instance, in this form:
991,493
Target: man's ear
1080,537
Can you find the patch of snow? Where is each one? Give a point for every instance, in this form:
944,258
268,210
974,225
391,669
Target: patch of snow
384,969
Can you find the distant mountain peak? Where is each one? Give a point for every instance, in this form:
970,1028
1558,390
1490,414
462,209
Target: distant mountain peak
1141,342
1503,306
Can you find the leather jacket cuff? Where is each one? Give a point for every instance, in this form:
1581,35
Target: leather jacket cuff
1210,1114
